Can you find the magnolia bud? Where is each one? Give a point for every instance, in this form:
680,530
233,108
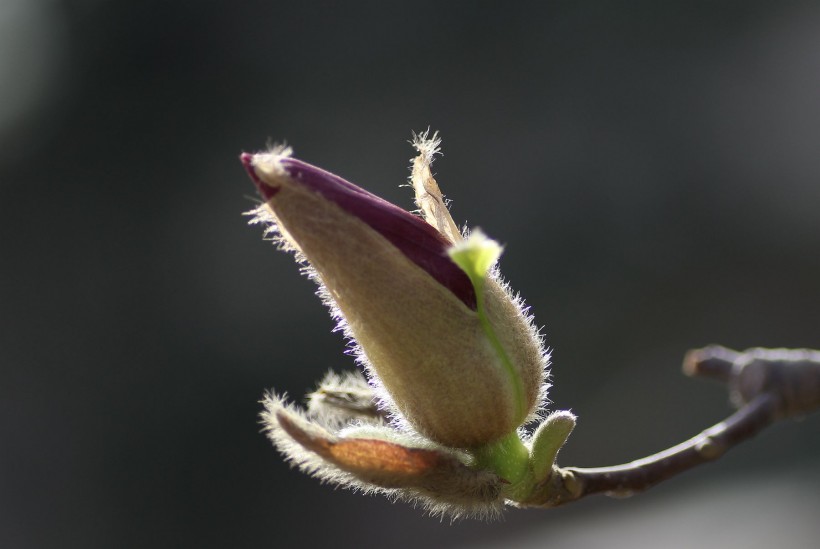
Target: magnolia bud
452,349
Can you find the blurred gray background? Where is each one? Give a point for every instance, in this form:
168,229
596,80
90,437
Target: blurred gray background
652,168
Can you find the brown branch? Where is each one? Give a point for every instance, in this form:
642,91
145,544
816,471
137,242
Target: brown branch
624,480
766,385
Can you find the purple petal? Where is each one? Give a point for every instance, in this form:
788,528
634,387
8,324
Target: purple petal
417,239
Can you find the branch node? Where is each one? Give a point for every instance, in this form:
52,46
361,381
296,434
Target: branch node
713,362
709,448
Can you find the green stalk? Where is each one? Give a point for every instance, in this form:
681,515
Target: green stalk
515,379
476,256
510,460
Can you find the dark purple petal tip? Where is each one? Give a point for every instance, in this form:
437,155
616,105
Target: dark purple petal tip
414,237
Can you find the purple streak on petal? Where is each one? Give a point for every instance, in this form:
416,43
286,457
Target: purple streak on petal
417,239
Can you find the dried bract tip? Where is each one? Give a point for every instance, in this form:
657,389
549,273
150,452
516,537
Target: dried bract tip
429,199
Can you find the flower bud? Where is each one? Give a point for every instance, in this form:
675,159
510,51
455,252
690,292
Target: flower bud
460,360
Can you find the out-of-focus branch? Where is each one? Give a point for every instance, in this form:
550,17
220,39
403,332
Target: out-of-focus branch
765,384
793,375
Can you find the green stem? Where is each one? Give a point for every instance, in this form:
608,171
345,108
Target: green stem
476,256
515,379
510,460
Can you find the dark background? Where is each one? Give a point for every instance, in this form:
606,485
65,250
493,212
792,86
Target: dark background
652,168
